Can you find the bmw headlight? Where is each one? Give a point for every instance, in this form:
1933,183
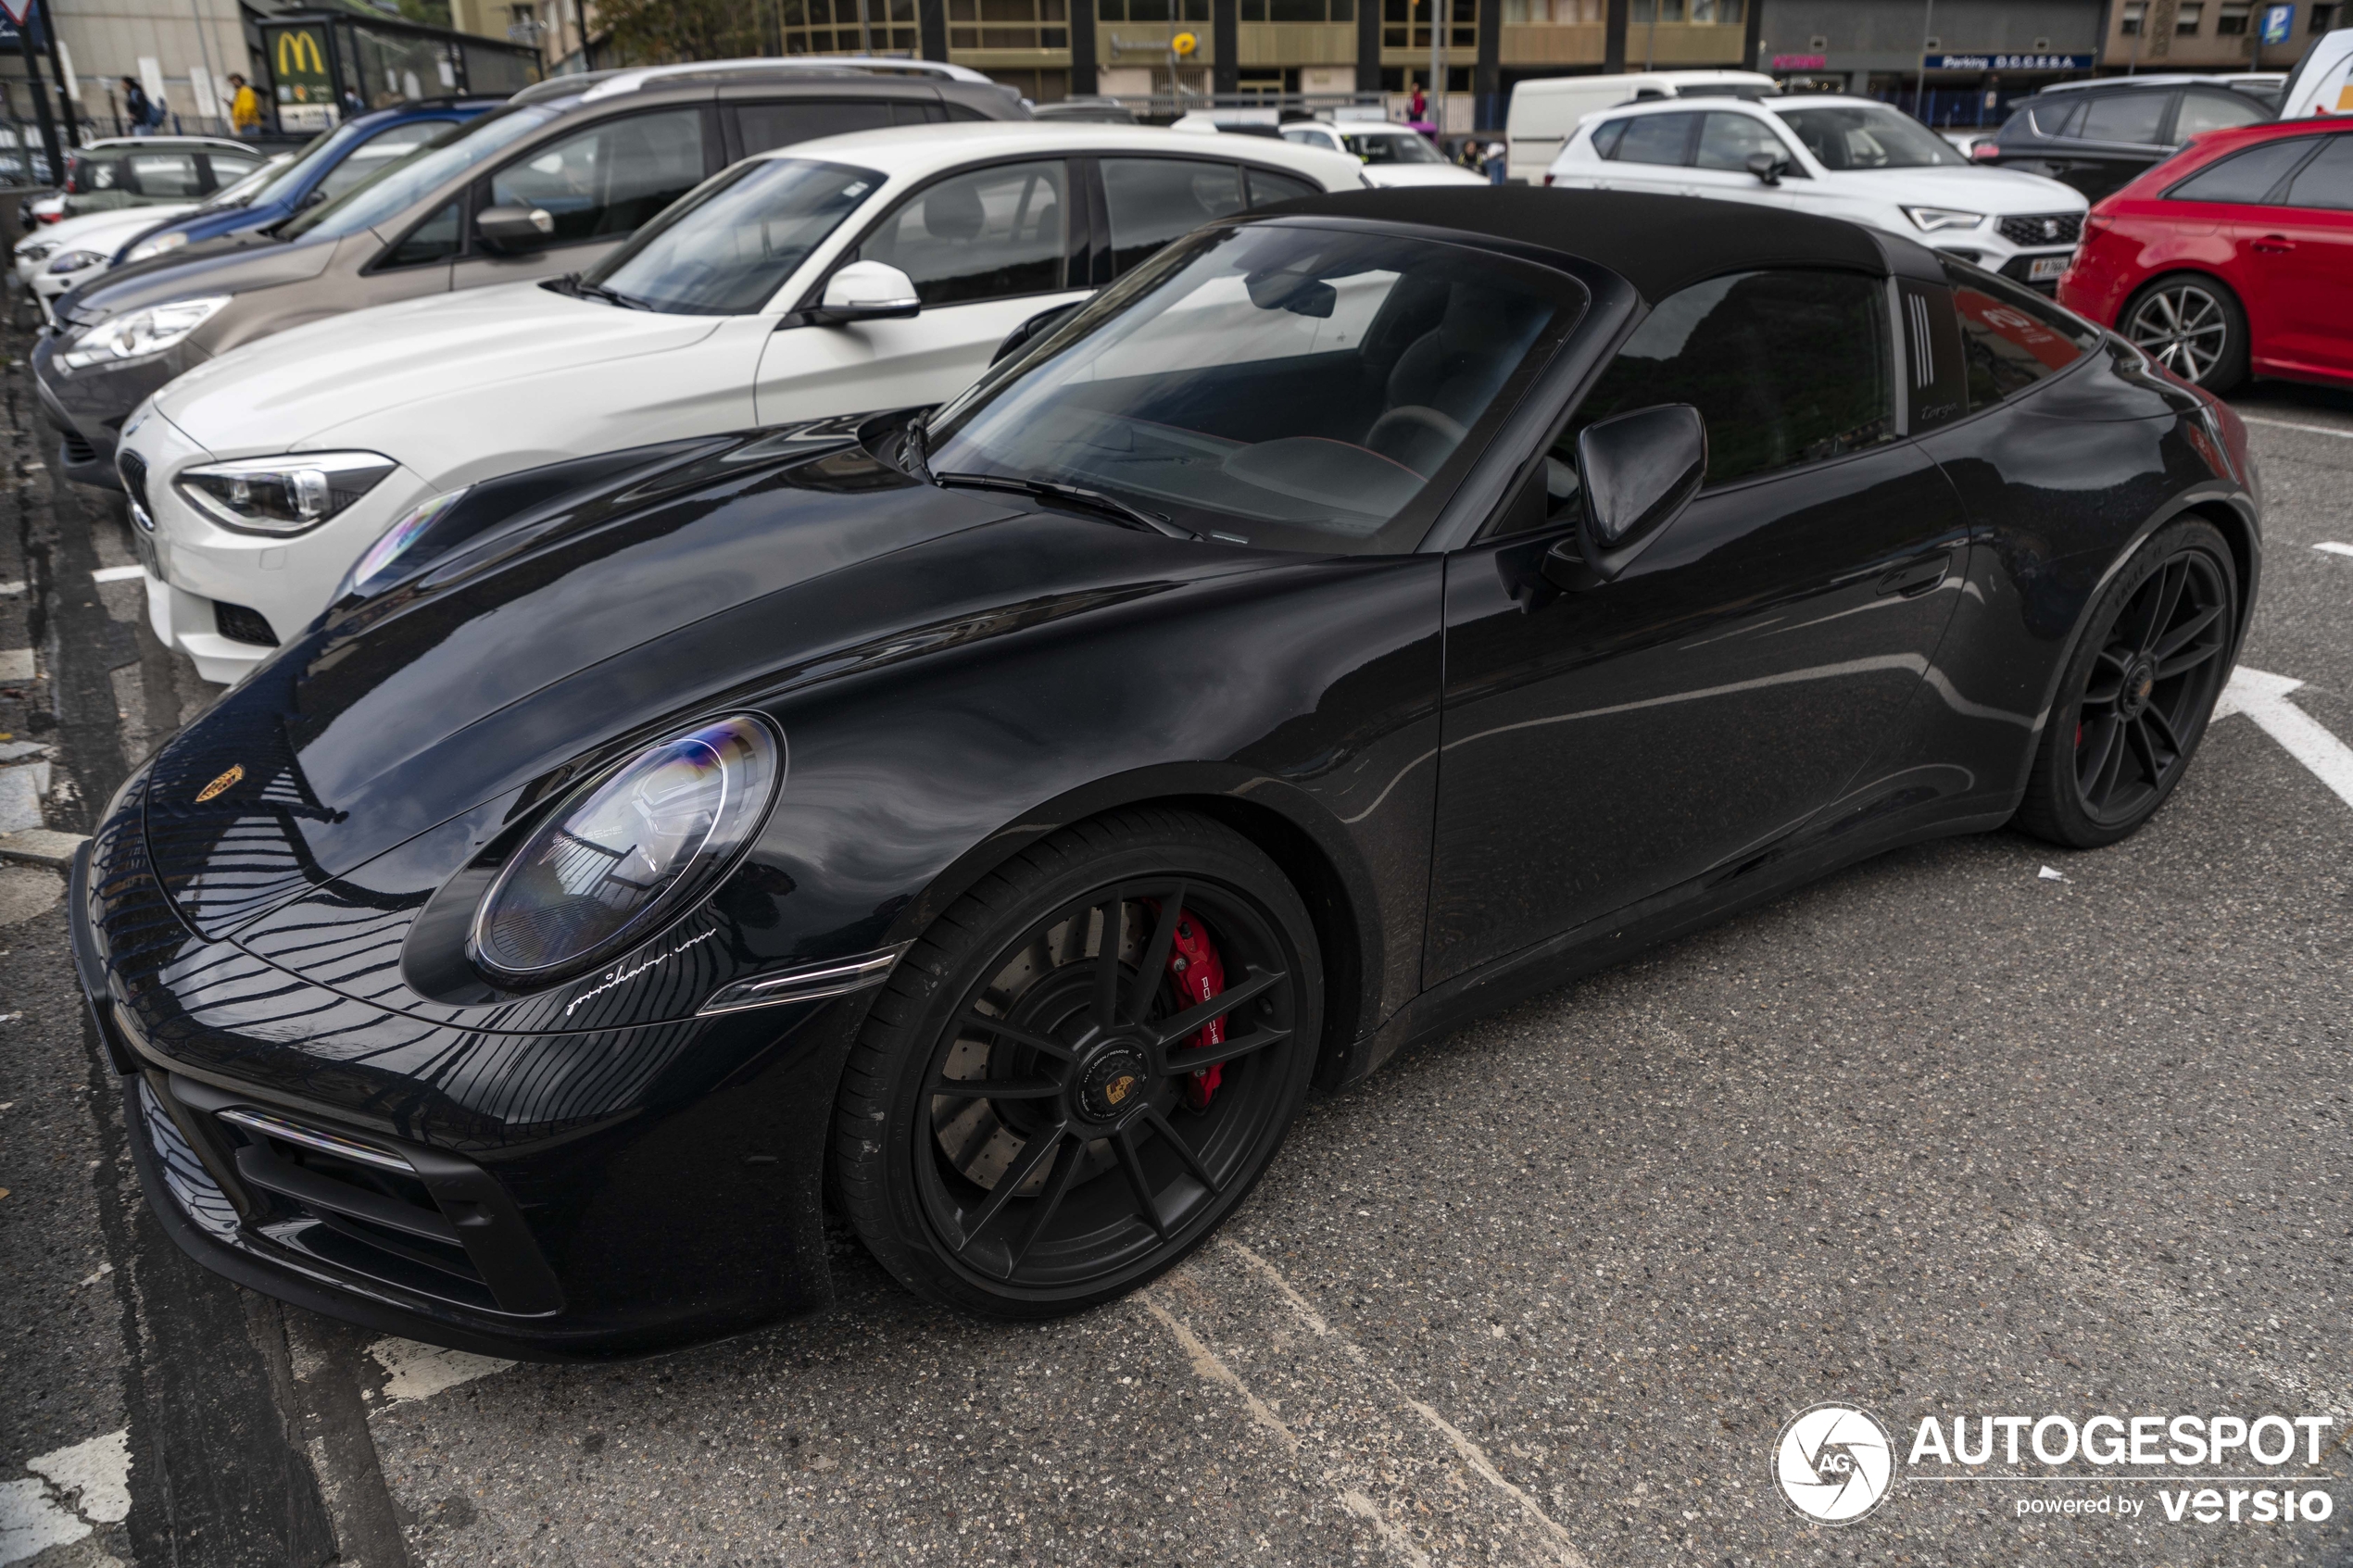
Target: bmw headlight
39,250
1933,218
138,333
286,495
75,261
156,246
627,851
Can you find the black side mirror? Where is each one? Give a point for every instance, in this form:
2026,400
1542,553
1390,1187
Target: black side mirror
1768,166
514,229
1637,472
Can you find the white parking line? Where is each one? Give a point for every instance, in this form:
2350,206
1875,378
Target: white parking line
71,1490
2263,697
11,588
2333,548
2290,424
419,1372
117,574
16,664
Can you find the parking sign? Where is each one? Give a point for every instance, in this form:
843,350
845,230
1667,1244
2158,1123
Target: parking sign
2278,20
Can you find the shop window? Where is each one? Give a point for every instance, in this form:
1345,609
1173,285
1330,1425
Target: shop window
831,27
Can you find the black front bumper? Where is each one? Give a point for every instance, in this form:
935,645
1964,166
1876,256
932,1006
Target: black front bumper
87,407
691,1213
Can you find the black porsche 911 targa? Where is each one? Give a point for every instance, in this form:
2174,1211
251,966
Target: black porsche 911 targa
1362,616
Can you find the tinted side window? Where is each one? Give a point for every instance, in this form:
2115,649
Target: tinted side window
989,235
2245,177
605,182
1656,138
2055,119
1786,368
1727,140
962,111
763,126
2011,337
164,174
1606,137
2327,181
2123,117
2214,111
371,155
1265,187
228,168
436,239
1153,200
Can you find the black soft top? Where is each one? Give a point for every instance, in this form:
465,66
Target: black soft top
1657,244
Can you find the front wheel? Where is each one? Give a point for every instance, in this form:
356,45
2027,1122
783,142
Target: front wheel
1082,1067
2193,326
2135,699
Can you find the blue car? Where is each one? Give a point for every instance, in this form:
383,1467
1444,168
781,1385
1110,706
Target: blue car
330,165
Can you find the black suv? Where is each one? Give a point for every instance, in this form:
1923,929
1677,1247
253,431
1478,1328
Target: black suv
2098,135
546,184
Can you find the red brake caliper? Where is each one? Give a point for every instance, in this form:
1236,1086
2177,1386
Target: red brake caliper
1199,974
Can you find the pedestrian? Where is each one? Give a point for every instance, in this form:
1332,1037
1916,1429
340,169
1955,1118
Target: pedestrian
1498,164
1417,110
135,105
244,107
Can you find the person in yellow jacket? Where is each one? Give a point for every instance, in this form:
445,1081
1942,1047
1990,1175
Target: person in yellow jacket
244,108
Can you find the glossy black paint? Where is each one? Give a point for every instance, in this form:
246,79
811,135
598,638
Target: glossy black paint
1481,782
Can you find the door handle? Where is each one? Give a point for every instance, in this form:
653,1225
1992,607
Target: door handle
2275,245
1911,582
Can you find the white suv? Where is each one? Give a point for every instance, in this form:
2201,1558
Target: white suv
875,270
1838,157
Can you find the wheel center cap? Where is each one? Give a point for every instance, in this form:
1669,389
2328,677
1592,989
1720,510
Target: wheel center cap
1114,1083
2140,683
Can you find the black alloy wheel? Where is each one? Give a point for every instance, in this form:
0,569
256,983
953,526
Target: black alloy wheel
2137,695
1048,1131
2191,326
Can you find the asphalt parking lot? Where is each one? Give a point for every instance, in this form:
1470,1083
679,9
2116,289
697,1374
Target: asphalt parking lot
1979,1128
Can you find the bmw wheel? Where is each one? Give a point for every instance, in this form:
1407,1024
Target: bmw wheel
2193,327
2135,698
1082,1067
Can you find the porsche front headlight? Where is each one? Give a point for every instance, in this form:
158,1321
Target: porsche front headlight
138,333
156,246
627,851
1933,218
288,494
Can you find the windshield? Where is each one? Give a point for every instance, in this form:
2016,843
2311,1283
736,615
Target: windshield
1846,136
725,249
1281,385
389,193
243,191
1389,147
285,178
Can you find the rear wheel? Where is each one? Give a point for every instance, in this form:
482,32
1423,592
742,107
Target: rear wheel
2193,326
2135,698
1042,1111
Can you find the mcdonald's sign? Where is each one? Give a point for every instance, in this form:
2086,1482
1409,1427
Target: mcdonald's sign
298,66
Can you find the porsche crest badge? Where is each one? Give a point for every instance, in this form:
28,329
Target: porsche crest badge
220,785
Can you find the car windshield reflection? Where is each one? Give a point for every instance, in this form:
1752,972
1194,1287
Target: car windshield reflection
1281,385
724,249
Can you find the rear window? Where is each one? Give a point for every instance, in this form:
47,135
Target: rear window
2327,181
2245,178
2124,116
2011,337
1653,138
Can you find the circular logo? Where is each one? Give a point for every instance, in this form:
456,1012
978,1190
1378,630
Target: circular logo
1834,1462
1184,44
1111,1082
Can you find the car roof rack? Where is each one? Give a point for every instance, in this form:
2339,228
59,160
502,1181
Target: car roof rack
599,84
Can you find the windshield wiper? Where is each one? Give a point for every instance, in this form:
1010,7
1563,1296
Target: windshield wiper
1069,495
580,287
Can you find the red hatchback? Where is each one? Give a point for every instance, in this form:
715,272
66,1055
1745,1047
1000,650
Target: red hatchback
2234,256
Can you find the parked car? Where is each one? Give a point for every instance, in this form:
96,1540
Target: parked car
153,170
332,164
548,184
1835,155
51,262
871,271
2322,83
1544,112
2099,135
995,820
1393,156
2231,258
1091,110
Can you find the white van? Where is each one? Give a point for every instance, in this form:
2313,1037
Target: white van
1544,112
2322,81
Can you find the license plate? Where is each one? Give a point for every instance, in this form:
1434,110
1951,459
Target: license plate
143,542
2045,269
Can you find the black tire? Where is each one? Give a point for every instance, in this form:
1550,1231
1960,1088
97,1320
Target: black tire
1098,1174
2193,325
2136,695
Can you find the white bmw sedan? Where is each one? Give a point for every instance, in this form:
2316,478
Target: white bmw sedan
874,271
1844,157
